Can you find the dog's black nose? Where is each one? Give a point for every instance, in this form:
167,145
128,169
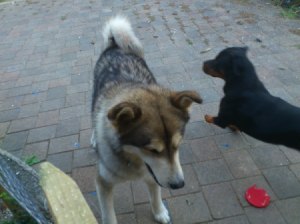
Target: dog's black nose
177,185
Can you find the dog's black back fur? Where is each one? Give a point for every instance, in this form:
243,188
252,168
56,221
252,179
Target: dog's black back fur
248,104
116,67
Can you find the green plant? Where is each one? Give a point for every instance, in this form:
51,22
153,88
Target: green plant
189,41
290,12
7,222
6,197
19,215
286,3
31,160
63,17
277,2
290,8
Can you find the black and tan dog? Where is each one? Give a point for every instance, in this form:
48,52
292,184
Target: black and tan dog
137,123
247,104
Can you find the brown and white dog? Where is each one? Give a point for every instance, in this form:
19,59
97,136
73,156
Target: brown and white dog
138,124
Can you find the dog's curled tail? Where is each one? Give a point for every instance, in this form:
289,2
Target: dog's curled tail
118,31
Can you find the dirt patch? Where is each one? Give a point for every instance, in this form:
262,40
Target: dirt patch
219,5
32,2
246,17
241,2
146,7
150,17
295,31
185,8
189,41
223,40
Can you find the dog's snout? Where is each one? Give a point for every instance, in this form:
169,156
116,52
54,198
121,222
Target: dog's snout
207,66
177,185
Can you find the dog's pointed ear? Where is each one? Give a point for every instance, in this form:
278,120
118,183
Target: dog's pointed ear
124,113
184,99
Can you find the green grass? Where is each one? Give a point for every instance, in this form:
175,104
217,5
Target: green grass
189,41
63,18
297,46
277,2
292,12
152,18
286,3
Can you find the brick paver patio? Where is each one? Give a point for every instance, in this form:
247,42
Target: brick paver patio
47,53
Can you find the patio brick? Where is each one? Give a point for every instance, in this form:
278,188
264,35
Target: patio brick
63,144
189,209
222,200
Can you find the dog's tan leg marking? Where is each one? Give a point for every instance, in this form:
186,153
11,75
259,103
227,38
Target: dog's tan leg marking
209,119
105,198
159,210
233,127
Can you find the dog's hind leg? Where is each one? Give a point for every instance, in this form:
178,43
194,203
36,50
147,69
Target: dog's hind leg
106,201
159,210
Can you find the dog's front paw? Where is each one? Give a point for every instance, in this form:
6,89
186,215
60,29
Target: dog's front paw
162,216
209,119
93,140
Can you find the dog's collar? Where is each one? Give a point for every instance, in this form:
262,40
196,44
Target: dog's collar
152,173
